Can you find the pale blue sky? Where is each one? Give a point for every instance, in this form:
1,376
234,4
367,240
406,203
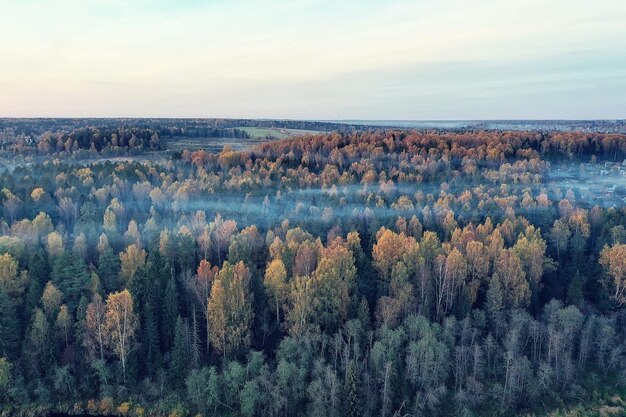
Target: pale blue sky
310,59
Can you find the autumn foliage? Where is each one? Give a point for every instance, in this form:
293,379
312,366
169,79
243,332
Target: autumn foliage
358,272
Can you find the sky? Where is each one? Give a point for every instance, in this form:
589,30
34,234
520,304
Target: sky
314,59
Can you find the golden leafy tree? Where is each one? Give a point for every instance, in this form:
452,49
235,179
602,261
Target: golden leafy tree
12,282
80,245
276,285
449,275
94,336
331,295
63,324
204,280
560,234
477,268
222,232
387,251
54,244
51,299
110,221
204,241
131,260
530,248
42,225
333,282
299,315
132,235
613,259
201,287
305,260
401,300
230,309
512,277
456,266
103,243
391,248
120,325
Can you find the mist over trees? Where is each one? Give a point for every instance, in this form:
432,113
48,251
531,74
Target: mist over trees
362,273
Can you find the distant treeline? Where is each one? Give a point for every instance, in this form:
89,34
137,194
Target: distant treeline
204,132
163,126
37,126
82,137
126,139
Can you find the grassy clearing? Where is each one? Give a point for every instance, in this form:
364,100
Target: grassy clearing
275,132
211,144
258,134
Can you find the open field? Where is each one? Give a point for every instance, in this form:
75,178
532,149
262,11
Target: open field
211,144
275,132
258,135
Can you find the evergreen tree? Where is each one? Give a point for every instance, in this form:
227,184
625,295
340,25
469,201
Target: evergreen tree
195,342
495,305
108,270
9,327
352,402
70,276
169,315
38,345
150,328
180,353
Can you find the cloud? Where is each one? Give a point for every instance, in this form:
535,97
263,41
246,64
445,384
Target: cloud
312,59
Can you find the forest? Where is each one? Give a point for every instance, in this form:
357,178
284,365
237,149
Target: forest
357,272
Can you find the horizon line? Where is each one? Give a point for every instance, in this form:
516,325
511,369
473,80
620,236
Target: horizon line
315,120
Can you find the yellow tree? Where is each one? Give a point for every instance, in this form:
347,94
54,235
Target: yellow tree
80,246
530,248
275,282
54,244
12,282
613,259
132,259
222,232
301,297
204,241
449,276
132,235
110,221
42,225
103,244
51,299
201,287
387,251
63,324
333,282
509,271
305,260
477,268
456,266
94,336
391,248
560,234
120,325
230,309
401,300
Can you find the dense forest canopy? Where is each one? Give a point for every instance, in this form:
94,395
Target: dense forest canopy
374,273
101,136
